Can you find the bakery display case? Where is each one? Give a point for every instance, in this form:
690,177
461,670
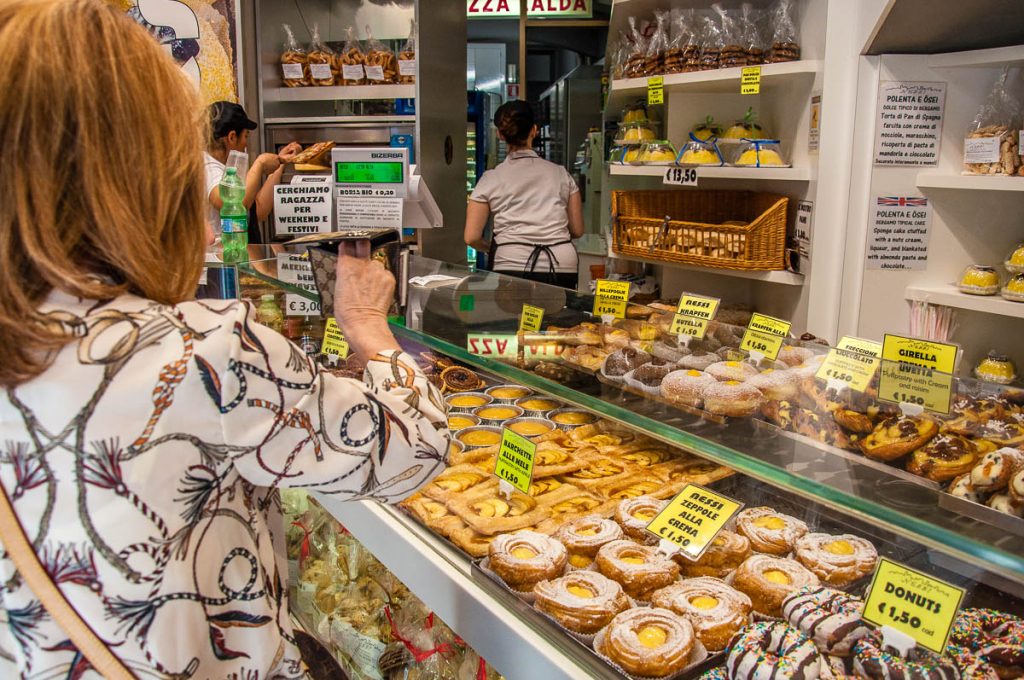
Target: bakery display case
563,580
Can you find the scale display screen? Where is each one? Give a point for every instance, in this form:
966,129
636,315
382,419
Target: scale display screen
351,172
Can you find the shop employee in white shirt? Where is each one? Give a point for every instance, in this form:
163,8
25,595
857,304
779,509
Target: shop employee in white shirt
536,206
229,131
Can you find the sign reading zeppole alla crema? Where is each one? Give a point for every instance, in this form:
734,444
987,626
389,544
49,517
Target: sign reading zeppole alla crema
490,9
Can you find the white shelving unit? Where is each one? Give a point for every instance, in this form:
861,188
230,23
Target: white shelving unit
783,278
339,93
997,56
949,296
765,174
934,180
719,81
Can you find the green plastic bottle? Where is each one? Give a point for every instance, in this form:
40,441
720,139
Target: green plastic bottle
234,219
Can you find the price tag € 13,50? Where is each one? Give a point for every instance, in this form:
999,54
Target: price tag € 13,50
913,603
334,340
765,335
692,520
682,177
515,460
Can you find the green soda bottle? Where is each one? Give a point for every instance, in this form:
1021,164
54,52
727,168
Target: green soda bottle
234,219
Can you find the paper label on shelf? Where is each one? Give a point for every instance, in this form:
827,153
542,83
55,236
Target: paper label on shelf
368,213
352,72
505,347
611,298
804,226
334,340
363,651
407,67
302,209
913,603
656,90
321,71
900,232
908,127
982,150
292,71
765,335
296,305
375,73
693,519
683,177
515,460
693,314
814,133
296,270
750,80
531,318
848,368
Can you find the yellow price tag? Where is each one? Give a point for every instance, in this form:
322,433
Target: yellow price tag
504,347
693,518
656,90
913,603
902,383
853,362
605,306
938,356
684,324
865,347
515,460
693,314
334,340
531,318
750,80
613,290
765,335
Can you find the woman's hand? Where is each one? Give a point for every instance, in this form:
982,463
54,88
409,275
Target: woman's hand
269,162
362,298
289,152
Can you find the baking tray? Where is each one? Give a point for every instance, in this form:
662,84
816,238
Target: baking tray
982,513
689,410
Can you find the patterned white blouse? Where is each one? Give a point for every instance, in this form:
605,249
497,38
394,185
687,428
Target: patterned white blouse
141,464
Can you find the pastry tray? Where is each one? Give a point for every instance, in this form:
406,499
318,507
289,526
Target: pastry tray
700,413
982,513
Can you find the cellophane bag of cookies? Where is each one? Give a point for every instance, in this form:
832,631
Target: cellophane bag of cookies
733,53
785,44
751,35
351,60
636,57
654,61
294,61
674,61
712,43
407,59
381,65
322,67
992,143
690,28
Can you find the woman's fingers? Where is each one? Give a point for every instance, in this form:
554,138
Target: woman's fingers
363,248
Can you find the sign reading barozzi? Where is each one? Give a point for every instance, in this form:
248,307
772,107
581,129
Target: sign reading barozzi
489,9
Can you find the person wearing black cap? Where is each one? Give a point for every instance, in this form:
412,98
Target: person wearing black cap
536,206
229,131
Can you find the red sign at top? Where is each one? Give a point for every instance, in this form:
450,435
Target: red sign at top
488,9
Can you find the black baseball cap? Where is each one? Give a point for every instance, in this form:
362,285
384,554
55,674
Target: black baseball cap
226,117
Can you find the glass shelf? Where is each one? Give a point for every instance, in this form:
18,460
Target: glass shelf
442,314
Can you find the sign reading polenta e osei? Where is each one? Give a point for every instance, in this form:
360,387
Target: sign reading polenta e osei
693,519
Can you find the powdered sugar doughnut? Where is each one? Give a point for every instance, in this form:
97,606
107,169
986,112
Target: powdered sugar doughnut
634,514
731,370
829,617
647,642
586,535
716,610
525,558
685,387
583,601
776,385
770,650
769,531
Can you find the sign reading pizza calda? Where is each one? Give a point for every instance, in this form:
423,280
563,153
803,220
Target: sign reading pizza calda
481,9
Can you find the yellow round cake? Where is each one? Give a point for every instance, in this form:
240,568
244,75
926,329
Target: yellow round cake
638,134
699,157
996,368
1014,289
979,280
768,157
738,132
1015,263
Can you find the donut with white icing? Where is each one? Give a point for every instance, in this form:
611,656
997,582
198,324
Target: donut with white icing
829,617
771,650
873,661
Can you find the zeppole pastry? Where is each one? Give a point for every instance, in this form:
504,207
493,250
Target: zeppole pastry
769,531
686,387
943,458
771,650
652,643
733,399
583,537
836,560
526,558
714,609
634,514
776,385
640,569
897,436
726,552
583,601
768,581
830,618
731,370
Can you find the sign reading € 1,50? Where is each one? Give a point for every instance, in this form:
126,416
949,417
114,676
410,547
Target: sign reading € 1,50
515,460
693,518
693,315
916,371
765,335
611,298
505,9
852,362
334,340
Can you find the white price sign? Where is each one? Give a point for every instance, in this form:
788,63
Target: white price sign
686,177
296,305
295,269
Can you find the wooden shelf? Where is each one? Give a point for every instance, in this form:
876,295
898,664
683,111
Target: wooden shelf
930,180
783,278
719,81
340,92
948,295
787,174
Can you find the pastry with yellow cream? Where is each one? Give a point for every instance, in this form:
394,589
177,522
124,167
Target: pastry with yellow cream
572,418
467,401
507,393
526,558
496,414
535,406
760,157
997,368
640,569
582,601
650,643
583,537
634,514
714,609
1014,289
769,580
979,280
454,481
836,560
460,421
769,531
727,551
476,437
1015,262
530,427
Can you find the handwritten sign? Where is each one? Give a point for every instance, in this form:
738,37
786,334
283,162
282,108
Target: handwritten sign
692,519
656,90
611,298
917,372
693,315
750,80
853,362
531,318
515,460
765,335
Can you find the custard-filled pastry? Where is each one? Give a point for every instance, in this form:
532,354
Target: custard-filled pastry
455,481
943,458
769,580
640,569
836,560
726,552
434,514
635,486
769,531
714,609
651,643
487,511
634,514
897,436
526,558
586,535
582,601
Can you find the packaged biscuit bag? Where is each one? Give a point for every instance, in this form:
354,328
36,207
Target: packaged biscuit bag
407,58
785,45
751,35
381,65
636,56
351,60
734,52
654,62
711,45
323,69
294,61
992,143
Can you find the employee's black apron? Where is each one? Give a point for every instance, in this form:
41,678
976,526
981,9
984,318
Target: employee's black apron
531,262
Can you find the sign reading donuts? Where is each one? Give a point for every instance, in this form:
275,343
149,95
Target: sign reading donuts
917,372
611,298
851,363
913,603
765,335
515,460
693,519
693,315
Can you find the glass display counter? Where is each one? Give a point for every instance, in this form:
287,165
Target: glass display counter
793,446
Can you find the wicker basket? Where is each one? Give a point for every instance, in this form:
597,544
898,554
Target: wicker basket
689,227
